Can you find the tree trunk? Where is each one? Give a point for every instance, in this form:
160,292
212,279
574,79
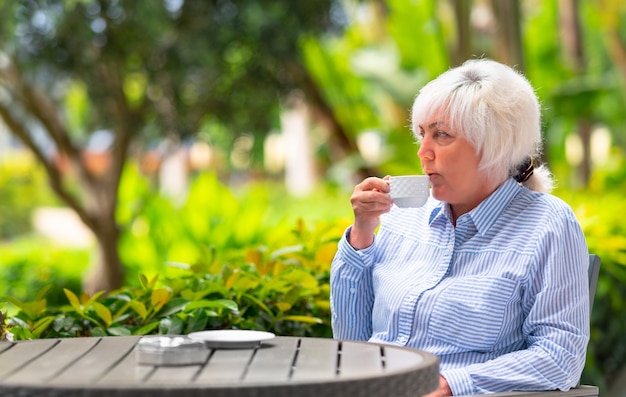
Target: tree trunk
106,273
462,11
508,37
571,35
96,202
584,131
322,111
610,13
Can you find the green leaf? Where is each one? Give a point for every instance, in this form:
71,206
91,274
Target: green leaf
171,325
21,333
43,292
19,322
34,309
119,331
92,299
122,297
41,325
262,305
73,301
153,281
143,280
283,306
197,322
196,295
173,306
219,303
98,331
121,313
301,277
146,329
14,301
61,323
286,250
302,319
293,295
103,312
31,310
242,282
159,297
139,308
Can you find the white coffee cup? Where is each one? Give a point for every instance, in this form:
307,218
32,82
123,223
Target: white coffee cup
409,190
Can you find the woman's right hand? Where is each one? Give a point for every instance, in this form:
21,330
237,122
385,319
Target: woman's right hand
370,199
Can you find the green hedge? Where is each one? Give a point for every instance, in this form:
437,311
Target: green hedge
284,290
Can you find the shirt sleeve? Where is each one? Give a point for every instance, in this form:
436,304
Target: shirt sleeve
351,291
556,328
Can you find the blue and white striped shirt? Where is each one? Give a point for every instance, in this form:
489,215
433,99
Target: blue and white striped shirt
502,299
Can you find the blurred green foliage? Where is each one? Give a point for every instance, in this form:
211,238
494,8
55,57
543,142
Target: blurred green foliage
28,264
285,291
213,223
23,187
597,208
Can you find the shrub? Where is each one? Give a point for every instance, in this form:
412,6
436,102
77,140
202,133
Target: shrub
285,290
606,237
29,264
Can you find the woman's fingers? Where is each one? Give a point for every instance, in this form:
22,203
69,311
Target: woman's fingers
371,197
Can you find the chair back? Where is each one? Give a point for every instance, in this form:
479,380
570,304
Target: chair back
594,271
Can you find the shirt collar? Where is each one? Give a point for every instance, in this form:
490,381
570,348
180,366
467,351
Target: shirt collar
488,211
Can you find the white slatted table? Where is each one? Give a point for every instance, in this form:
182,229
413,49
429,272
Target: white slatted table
284,366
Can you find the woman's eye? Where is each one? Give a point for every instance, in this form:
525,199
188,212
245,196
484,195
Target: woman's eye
441,134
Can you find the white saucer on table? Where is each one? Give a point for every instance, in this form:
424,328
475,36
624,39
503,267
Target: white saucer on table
232,338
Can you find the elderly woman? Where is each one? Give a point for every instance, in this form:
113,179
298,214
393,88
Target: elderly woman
491,273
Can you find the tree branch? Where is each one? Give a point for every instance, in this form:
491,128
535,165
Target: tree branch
41,107
122,119
54,176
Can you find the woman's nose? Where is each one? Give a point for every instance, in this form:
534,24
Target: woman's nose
425,151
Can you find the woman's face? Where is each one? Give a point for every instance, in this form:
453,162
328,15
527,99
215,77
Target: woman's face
451,162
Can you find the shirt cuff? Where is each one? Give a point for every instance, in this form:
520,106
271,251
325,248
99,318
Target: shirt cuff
359,257
460,381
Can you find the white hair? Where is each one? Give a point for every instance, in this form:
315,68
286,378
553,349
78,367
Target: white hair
495,108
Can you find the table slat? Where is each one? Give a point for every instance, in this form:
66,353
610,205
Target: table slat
92,366
126,372
398,359
359,359
21,353
170,375
272,364
4,346
225,366
52,361
316,359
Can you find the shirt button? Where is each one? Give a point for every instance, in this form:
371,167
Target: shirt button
352,290
402,339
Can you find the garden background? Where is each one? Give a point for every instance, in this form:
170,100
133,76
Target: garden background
180,165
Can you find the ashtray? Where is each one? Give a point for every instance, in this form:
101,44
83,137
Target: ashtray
170,350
